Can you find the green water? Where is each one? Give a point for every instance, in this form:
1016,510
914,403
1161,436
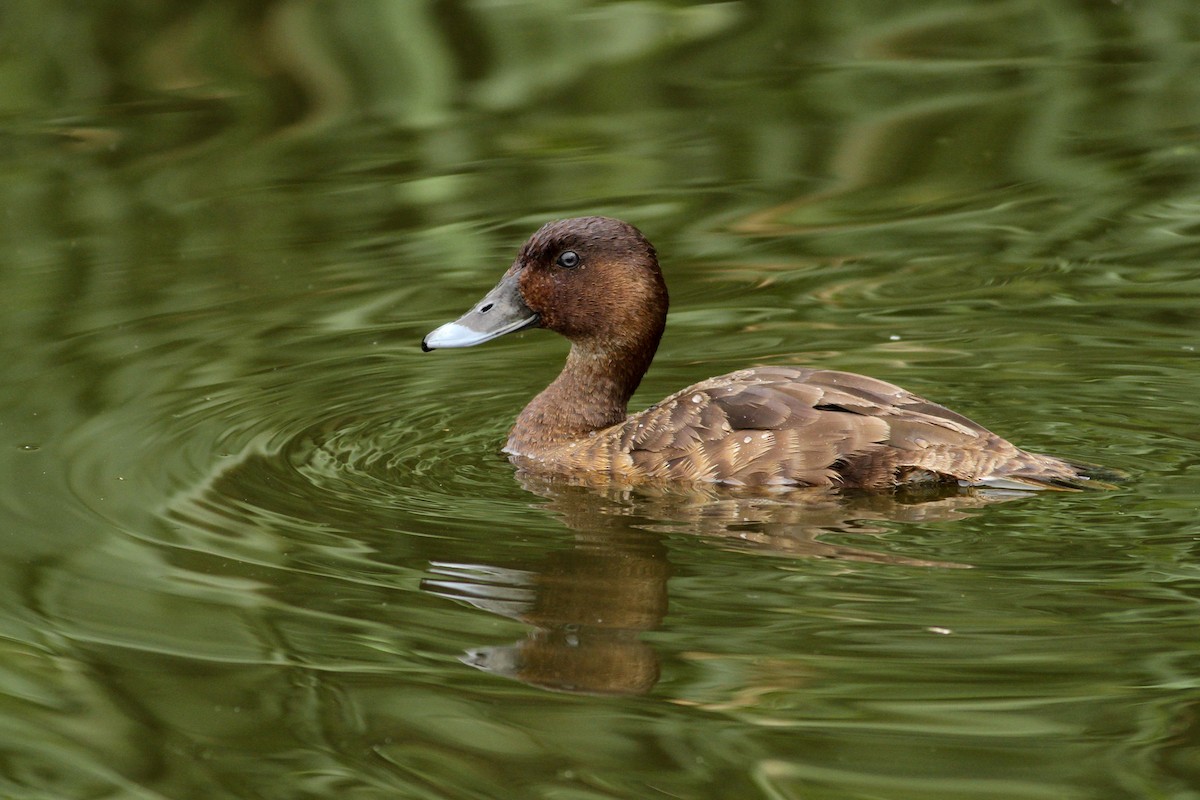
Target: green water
257,545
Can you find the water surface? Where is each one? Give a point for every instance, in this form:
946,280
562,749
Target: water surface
259,545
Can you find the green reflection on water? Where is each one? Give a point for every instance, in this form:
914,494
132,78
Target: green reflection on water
250,531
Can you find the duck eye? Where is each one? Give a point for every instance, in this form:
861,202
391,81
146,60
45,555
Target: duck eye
568,259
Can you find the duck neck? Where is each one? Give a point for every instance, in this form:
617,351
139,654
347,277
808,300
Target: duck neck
590,394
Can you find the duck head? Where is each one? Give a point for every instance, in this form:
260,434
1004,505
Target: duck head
595,280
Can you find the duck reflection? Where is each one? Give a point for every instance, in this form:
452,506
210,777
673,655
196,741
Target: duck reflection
587,606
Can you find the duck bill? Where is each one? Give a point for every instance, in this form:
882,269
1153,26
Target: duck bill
500,311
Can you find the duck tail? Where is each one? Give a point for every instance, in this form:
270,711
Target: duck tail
1038,472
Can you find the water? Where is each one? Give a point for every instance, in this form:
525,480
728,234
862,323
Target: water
258,545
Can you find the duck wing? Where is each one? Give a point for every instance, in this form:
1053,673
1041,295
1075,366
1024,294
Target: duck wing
797,426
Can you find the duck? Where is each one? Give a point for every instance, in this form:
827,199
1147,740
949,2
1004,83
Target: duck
596,281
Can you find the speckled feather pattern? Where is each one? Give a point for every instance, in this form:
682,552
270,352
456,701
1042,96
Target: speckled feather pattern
791,426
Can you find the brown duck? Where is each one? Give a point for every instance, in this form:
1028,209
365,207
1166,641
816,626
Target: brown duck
596,281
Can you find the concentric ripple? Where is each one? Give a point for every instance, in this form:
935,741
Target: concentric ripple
341,453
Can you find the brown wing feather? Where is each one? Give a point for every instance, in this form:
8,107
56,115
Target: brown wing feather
781,425
788,426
